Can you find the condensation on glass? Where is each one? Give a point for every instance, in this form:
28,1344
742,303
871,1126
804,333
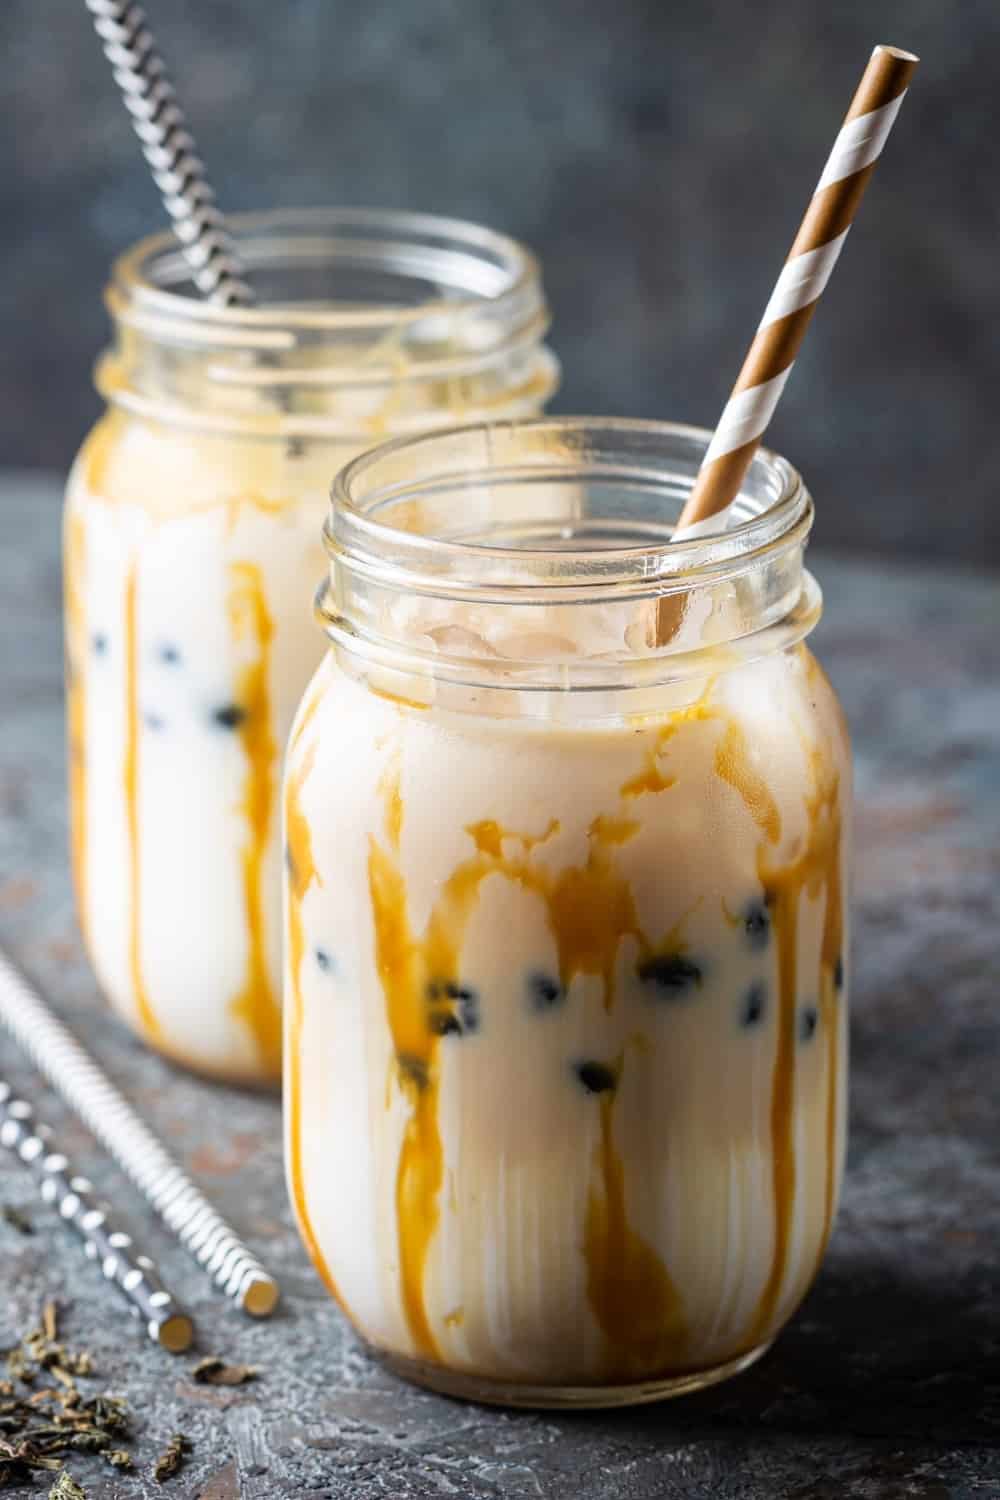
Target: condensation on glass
192,546
566,930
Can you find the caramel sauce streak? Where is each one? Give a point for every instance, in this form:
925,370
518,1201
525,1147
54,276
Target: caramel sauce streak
784,900
814,871
405,965
832,958
590,911
257,1004
632,1296
302,874
306,715
651,778
76,705
733,765
147,1015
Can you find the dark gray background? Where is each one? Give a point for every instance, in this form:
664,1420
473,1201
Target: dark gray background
657,154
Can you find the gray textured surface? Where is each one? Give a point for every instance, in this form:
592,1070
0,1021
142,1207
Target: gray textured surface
886,1387
658,155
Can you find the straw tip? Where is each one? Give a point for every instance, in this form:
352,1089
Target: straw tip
259,1297
899,53
176,1334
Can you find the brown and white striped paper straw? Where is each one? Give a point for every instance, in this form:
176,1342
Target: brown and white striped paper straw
804,275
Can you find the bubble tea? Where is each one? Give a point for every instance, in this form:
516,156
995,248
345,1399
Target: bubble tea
192,549
565,908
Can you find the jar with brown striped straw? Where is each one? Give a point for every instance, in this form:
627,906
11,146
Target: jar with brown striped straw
583,904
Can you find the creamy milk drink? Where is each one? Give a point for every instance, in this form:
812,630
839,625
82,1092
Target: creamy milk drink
192,551
565,1006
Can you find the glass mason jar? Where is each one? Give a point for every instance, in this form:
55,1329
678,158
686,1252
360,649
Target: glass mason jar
565,1051
192,545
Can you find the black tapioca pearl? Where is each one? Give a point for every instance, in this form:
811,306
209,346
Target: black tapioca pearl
838,972
670,974
325,961
413,1069
467,1000
153,721
99,643
753,1006
544,992
169,654
444,1023
757,925
229,716
808,1022
596,1077
453,1008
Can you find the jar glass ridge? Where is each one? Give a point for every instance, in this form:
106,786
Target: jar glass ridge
568,520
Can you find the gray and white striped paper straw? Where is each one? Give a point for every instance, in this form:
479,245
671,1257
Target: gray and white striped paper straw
113,1250
169,148
74,1075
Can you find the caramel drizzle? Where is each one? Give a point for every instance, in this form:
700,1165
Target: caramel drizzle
814,871
76,706
652,778
147,1016
816,867
590,911
633,1298
257,1003
302,873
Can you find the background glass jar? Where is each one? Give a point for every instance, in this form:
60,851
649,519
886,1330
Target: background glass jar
192,545
565,993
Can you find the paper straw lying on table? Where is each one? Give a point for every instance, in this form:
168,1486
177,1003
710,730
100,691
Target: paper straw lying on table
112,1249
74,1075
803,277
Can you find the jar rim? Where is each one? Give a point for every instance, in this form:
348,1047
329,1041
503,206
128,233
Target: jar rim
658,565
482,267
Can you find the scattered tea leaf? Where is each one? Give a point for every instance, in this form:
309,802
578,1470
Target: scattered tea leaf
172,1457
119,1458
16,1219
215,1371
66,1488
44,1416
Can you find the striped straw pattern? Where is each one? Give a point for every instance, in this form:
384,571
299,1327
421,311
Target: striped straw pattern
804,276
169,149
73,1074
113,1250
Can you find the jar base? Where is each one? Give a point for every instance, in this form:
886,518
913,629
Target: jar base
564,1397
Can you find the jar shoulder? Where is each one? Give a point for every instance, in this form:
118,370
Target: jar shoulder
127,460
781,717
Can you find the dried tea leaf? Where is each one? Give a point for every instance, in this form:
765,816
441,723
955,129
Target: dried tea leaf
66,1488
172,1457
39,1429
215,1371
119,1458
16,1219
19,1368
